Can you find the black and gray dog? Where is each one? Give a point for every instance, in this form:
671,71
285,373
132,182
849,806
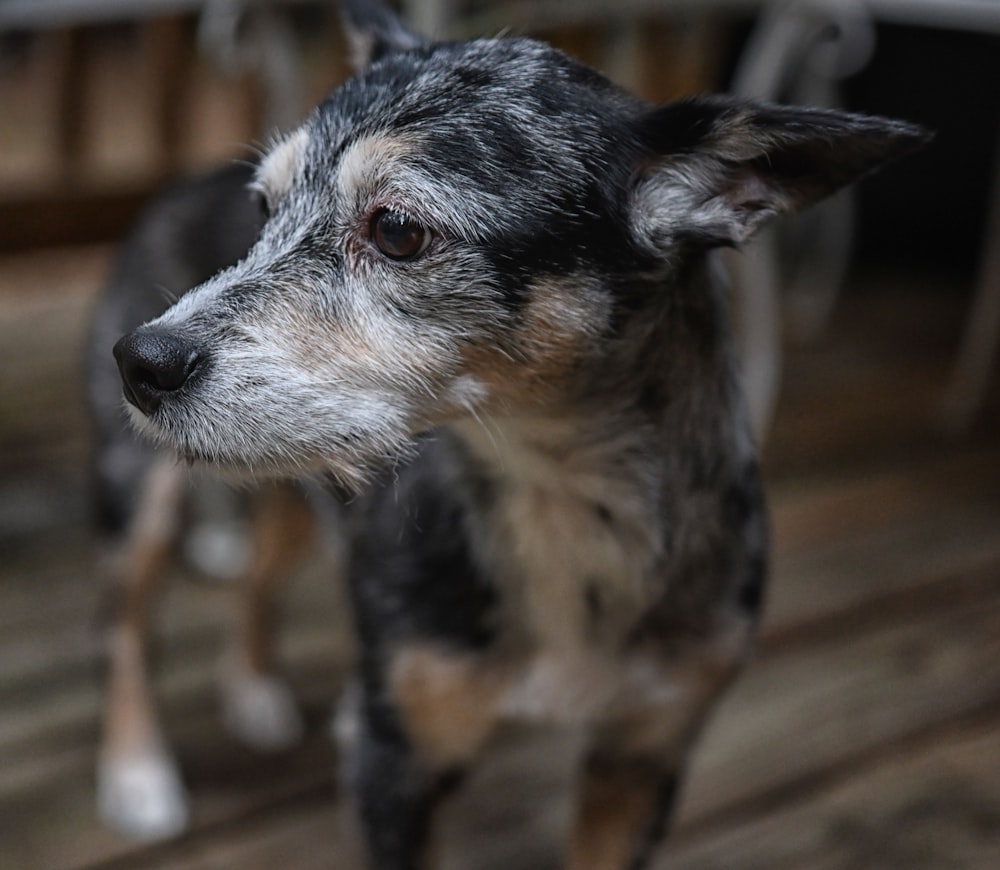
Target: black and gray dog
483,298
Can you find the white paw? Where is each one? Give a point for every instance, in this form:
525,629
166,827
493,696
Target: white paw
344,727
141,795
261,711
222,550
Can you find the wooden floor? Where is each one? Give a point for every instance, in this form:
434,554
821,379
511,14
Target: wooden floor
866,733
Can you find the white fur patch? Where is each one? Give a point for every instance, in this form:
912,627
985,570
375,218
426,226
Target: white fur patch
141,795
378,171
367,165
260,710
274,177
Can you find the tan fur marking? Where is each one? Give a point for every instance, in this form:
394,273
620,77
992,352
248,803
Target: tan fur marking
614,810
372,356
697,678
559,540
555,333
449,704
549,541
356,352
366,165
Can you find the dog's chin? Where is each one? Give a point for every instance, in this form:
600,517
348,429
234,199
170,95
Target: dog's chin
244,469
246,464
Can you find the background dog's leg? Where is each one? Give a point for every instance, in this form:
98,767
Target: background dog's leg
138,786
258,706
625,808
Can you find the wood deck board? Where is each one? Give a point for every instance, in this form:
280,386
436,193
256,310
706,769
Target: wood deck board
801,713
881,563
933,805
863,735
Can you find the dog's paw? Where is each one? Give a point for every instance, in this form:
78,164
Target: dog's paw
220,550
141,795
261,711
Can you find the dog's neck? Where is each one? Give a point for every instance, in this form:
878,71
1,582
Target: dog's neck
570,522
660,399
592,502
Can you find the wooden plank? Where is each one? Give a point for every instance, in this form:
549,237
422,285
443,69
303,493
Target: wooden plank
227,784
866,393
71,216
72,50
930,806
169,57
306,837
44,430
809,514
798,715
901,565
52,694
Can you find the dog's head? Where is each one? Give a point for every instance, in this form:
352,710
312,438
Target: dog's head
455,229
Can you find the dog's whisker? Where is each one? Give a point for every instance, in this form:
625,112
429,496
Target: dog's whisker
482,418
167,294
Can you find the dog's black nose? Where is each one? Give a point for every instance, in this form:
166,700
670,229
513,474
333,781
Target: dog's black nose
153,364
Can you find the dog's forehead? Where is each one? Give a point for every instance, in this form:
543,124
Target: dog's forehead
443,81
473,136
466,101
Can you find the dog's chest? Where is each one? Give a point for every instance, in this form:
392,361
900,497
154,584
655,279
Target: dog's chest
577,557
572,555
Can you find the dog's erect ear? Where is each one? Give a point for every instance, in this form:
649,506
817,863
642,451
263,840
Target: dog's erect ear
723,166
373,30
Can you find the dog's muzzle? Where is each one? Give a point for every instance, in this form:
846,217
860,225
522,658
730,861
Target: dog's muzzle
154,365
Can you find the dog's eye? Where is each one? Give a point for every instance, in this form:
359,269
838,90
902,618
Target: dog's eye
399,236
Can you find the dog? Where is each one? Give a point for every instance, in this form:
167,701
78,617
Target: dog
144,500
484,300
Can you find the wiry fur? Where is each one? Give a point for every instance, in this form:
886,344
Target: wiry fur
562,554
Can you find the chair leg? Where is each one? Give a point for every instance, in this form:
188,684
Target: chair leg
758,308
971,374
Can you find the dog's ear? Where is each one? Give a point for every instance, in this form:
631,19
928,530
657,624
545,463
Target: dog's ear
373,30
722,166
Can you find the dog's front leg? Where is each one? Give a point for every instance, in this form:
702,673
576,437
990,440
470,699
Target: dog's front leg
395,798
636,762
624,812
417,720
442,780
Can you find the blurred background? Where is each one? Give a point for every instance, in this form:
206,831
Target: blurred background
866,733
